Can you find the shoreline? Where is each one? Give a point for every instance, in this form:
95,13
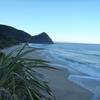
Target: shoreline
62,87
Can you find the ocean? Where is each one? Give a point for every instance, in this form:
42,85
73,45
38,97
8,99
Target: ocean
82,60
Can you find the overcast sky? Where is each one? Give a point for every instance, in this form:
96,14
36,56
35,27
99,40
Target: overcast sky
63,20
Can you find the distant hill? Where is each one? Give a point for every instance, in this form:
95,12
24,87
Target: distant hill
41,38
10,35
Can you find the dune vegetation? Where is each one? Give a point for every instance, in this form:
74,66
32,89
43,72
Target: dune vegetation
19,79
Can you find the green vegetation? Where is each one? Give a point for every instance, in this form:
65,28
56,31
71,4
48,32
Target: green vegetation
7,43
19,79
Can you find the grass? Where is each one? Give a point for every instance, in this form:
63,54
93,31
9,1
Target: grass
20,81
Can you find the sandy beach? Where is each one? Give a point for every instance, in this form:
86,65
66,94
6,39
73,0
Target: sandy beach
62,88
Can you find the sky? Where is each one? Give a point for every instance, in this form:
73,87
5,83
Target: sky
64,20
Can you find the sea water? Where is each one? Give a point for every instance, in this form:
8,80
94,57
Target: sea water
82,60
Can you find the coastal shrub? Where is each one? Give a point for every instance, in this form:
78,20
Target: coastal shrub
7,43
19,79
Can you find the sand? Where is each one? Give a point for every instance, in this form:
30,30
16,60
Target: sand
62,88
